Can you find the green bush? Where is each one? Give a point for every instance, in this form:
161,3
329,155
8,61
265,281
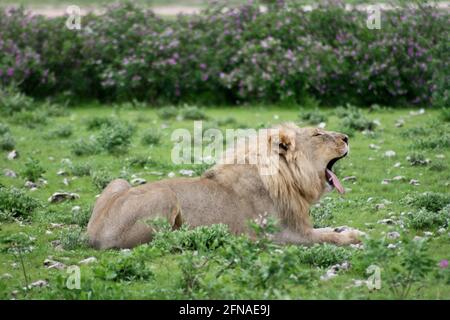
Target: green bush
12,101
124,267
431,201
101,178
33,170
7,142
423,219
233,56
96,123
30,119
167,113
84,147
193,113
116,137
4,129
313,117
61,132
81,169
16,203
151,137
324,255
73,238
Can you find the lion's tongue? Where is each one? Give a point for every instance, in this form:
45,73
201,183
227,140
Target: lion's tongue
335,181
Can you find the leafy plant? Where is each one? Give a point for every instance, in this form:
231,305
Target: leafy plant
33,170
124,267
151,137
16,203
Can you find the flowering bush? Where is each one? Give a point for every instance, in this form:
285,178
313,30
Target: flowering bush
232,55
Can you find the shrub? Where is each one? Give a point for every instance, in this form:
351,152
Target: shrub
431,201
12,101
16,203
96,123
313,117
445,114
7,142
357,121
401,277
33,170
440,141
423,219
61,132
322,213
73,238
151,137
83,147
324,255
4,129
30,119
167,113
101,178
125,267
203,238
81,169
193,113
116,137
417,159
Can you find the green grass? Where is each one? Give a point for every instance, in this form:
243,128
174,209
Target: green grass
168,273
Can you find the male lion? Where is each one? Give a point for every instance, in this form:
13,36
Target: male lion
233,194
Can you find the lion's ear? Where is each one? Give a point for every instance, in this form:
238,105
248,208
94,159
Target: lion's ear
282,140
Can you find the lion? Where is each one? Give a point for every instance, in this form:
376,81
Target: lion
233,194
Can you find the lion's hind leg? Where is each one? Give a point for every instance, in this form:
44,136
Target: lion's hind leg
102,206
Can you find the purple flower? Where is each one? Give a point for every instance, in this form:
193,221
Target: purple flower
10,72
443,264
202,66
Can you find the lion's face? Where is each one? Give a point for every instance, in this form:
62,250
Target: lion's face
322,149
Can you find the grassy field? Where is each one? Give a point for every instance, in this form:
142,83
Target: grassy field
211,263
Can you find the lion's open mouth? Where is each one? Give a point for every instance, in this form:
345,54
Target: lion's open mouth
332,179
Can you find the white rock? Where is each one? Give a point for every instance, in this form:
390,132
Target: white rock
30,184
185,172
386,221
418,112
393,235
397,165
349,178
62,196
52,264
428,234
441,230
414,182
374,146
399,123
138,181
6,276
9,173
13,155
39,284
386,181
88,260
171,174
322,125
440,156
399,178
390,154
392,246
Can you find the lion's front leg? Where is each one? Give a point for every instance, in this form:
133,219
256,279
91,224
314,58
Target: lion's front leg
338,236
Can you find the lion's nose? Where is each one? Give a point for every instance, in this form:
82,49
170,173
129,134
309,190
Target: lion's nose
345,138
